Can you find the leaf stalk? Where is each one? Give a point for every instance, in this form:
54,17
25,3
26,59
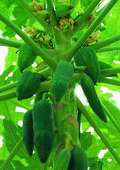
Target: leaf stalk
98,131
44,55
92,27
10,43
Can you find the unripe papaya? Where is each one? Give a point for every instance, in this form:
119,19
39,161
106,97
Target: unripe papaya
43,125
87,57
61,79
89,90
26,57
78,160
28,136
28,84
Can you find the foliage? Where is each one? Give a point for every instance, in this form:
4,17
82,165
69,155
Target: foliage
55,32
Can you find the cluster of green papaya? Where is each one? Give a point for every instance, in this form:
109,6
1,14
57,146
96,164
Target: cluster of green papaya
38,126
38,129
38,123
29,81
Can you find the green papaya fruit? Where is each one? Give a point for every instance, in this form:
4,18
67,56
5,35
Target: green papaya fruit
89,90
43,126
78,160
26,57
28,135
61,79
28,84
87,57
62,9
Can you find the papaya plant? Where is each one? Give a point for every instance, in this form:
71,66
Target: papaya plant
52,48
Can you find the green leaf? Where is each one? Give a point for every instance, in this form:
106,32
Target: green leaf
21,17
11,134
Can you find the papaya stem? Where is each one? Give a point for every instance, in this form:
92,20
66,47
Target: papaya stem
106,42
60,39
44,55
9,43
12,154
98,131
69,54
7,87
28,9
